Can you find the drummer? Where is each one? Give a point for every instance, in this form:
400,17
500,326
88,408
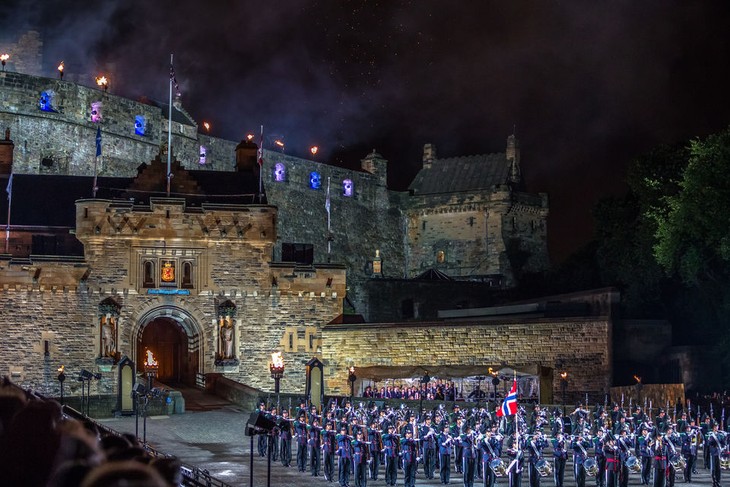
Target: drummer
560,455
625,446
580,446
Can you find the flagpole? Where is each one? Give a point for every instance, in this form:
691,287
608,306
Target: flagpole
261,166
329,228
10,202
169,132
93,189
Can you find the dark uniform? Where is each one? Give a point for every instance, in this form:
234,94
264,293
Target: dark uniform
689,439
560,458
391,442
610,451
645,456
329,447
715,442
376,444
580,454
314,443
360,456
409,449
534,450
468,467
445,446
344,452
300,430
428,445
285,436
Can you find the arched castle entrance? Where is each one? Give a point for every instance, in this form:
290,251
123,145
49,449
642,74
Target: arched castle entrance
175,339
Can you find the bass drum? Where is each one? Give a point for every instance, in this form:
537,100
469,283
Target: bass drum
633,464
543,467
497,466
591,467
725,461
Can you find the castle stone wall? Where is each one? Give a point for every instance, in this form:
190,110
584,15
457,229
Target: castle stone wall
580,346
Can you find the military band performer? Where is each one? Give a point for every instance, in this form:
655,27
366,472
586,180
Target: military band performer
391,443
716,442
580,448
360,457
534,449
445,446
689,440
314,443
467,441
600,458
300,432
644,455
625,447
560,458
285,437
344,452
661,460
427,435
274,437
610,451
517,456
673,453
263,439
409,449
376,448
491,449
456,431
329,447
705,428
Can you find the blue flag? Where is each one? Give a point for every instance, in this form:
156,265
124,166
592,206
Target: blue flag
9,189
98,141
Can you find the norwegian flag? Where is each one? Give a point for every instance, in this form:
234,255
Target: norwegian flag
509,406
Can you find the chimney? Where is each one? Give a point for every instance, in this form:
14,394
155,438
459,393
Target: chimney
429,155
512,155
246,153
6,153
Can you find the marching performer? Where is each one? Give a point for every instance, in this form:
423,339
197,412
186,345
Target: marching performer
344,451
560,458
580,455
445,445
409,447
534,450
645,455
390,446
314,442
716,443
376,448
467,440
329,447
428,446
360,457
300,432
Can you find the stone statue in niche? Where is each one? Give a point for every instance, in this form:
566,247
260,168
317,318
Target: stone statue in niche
226,338
108,331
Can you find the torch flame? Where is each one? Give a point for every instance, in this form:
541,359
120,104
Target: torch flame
249,137
4,57
314,150
60,67
102,81
279,143
150,362
277,360
61,369
563,375
638,379
207,126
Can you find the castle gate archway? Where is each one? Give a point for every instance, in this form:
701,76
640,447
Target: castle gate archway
174,338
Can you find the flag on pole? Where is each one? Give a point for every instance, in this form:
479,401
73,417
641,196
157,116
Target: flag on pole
9,189
173,79
261,148
98,141
509,406
327,199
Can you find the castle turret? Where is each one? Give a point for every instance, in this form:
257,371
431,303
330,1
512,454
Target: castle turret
429,155
376,165
513,157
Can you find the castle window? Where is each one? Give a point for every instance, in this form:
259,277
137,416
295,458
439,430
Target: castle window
140,125
203,155
440,257
187,275
315,180
279,172
299,253
149,274
347,187
423,225
45,102
471,221
96,112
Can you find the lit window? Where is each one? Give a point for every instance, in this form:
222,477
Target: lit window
315,180
96,112
45,103
140,125
203,155
440,256
279,172
347,187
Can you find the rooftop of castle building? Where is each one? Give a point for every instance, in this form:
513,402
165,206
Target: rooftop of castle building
458,174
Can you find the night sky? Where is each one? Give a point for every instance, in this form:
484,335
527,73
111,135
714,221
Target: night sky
588,85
